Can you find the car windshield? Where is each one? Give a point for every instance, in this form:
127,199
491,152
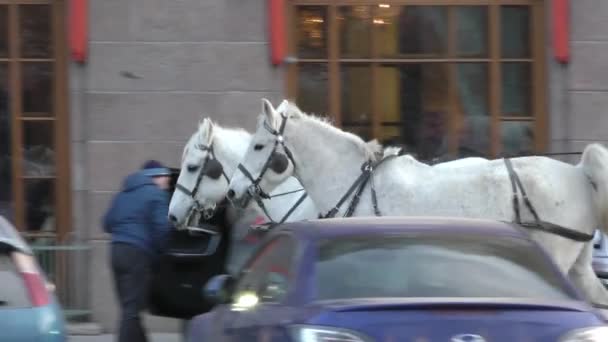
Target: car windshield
434,266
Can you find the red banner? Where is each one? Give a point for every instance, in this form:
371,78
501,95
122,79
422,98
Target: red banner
276,21
561,27
78,30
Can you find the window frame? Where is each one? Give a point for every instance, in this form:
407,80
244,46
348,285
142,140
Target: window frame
60,118
537,60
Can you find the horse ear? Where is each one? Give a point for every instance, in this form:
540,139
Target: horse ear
282,107
206,132
269,112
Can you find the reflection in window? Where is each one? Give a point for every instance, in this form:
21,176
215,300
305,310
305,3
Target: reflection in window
37,85
356,90
3,31
516,89
313,88
517,138
411,31
40,205
472,24
431,95
38,149
415,97
515,31
312,31
35,31
355,29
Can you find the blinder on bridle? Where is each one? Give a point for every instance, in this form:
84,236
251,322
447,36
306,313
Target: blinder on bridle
211,168
277,162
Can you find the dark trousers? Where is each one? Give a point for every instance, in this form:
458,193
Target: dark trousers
131,268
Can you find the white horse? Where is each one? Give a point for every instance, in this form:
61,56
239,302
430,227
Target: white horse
327,161
213,153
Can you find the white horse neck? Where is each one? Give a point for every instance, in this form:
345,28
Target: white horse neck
230,146
327,159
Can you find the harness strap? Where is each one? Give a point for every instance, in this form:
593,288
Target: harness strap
559,230
293,208
538,224
355,201
512,176
352,188
367,174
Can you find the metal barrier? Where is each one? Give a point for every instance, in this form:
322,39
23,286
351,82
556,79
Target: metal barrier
66,266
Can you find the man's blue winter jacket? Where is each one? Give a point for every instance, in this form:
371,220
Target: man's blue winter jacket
138,214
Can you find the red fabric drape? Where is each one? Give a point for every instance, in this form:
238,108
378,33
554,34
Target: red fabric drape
78,28
276,20
561,26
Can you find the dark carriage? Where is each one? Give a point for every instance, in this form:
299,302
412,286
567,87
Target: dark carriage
192,258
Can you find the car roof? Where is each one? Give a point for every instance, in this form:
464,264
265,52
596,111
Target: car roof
333,227
10,236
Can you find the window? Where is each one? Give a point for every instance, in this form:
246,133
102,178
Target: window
443,78
450,265
268,274
34,179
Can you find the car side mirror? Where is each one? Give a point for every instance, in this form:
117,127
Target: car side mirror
219,289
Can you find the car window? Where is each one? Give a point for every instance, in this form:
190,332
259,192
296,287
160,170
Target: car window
268,273
13,293
428,266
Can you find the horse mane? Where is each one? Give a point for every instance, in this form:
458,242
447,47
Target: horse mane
372,150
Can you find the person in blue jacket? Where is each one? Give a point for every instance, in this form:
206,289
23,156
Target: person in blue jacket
138,222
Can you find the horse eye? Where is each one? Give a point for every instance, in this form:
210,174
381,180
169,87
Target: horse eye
258,147
192,168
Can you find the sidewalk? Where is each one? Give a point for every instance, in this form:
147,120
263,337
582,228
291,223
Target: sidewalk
156,337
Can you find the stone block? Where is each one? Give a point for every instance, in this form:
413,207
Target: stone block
590,119
110,162
135,66
245,21
588,69
147,116
80,209
78,174
177,20
229,67
589,20
109,20
241,109
98,203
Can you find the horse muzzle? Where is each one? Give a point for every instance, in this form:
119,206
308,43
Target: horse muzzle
239,202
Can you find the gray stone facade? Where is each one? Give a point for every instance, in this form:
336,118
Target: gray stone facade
588,76
157,66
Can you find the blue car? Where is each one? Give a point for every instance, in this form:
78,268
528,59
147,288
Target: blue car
29,311
397,279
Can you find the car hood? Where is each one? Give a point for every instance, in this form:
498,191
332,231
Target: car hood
438,302
441,319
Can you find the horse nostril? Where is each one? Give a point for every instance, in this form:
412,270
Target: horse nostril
230,193
172,218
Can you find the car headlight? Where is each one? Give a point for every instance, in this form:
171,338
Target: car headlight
316,333
592,334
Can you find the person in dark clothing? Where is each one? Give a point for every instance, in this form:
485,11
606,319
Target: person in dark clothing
137,220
